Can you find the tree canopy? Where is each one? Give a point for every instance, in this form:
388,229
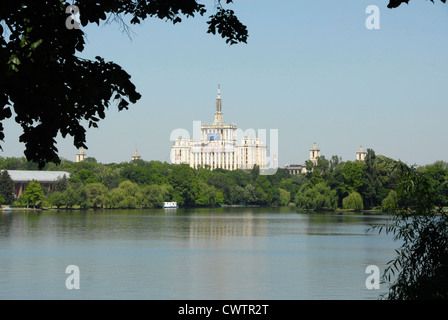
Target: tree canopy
396,3
53,91
420,223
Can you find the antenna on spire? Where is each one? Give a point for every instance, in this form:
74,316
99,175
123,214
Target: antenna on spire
218,113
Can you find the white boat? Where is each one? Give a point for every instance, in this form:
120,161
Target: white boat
170,204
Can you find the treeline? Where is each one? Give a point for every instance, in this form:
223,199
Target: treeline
330,184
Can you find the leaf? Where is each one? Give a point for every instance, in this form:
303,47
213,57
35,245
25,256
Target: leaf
35,44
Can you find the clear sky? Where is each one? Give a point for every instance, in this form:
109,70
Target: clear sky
310,69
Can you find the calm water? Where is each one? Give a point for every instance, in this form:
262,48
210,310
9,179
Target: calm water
190,254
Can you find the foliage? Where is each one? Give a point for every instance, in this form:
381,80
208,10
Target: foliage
154,195
420,270
96,195
285,197
61,184
396,3
32,195
316,197
6,188
51,89
185,185
389,204
147,184
353,201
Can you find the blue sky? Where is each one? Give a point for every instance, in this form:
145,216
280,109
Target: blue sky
310,69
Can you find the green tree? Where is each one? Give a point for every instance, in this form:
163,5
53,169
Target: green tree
114,198
264,190
206,195
334,163
239,195
83,175
137,174
389,204
323,165
71,197
32,195
61,183
154,196
255,172
420,269
251,194
353,201
370,182
316,197
285,197
95,194
6,187
184,182
316,177
132,195
57,199
438,178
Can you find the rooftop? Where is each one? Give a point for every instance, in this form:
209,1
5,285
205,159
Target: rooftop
39,176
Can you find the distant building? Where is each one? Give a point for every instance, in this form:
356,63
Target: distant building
136,156
360,155
296,168
301,168
314,154
46,179
81,155
218,147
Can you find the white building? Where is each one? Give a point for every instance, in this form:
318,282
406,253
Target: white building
314,154
136,156
219,147
361,154
81,155
301,168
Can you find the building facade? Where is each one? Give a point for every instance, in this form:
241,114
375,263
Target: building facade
136,156
301,168
314,156
361,154
220,146
47,179
81,155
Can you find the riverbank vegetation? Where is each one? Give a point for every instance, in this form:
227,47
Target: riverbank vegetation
328,185
420,223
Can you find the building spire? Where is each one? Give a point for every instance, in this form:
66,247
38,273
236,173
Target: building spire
218,100
218,113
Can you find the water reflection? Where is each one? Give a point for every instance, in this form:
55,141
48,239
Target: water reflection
225,253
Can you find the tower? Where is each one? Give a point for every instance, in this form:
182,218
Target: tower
360,155
136,156
219,146
80,156
314,153
218,114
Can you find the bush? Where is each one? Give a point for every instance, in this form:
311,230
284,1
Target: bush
389,204
317,197
353,201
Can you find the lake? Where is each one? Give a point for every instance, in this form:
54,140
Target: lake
223,253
